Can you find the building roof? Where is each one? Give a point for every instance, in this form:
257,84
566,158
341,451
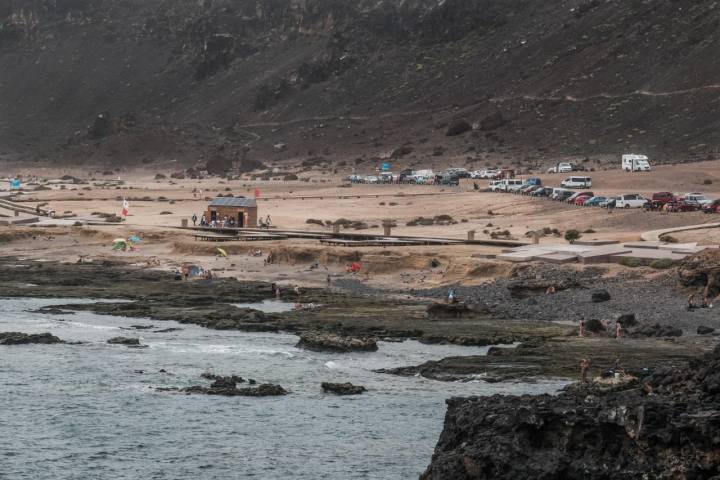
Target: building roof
233,202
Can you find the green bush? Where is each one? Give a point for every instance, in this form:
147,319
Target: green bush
662,264
572,235
668,239
632,262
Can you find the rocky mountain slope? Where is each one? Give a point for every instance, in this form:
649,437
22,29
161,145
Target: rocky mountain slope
130,81
665,428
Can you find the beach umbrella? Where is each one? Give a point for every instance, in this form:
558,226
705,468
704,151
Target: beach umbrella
134,239
119,240
222,252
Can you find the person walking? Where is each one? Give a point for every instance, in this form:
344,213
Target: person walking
267,222
194,219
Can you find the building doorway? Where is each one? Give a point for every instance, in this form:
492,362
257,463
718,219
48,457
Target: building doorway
241,220
213,216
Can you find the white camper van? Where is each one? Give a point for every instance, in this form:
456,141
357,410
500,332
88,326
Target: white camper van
635,163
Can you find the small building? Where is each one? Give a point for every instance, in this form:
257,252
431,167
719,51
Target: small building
242,210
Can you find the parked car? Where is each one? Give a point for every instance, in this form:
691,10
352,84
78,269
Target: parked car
630,200
580,201
542,192
594,201
355,178
405,175
576,182
528,189
561,168
696,198
712,207
490,173
372,179
576,195
678,205
561,194
609,202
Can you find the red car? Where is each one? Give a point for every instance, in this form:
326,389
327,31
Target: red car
581,200
681,206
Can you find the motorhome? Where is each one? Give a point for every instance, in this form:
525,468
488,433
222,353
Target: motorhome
635,163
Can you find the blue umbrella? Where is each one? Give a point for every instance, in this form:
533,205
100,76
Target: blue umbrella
134,239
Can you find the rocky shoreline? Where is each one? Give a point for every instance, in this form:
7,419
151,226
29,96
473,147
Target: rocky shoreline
664,427
351,320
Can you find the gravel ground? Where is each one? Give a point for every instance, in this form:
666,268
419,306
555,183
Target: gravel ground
658,301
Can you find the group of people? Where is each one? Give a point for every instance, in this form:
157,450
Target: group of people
222,222
264,223
704,303
186,271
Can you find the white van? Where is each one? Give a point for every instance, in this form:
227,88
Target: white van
632,200
577,182
504,185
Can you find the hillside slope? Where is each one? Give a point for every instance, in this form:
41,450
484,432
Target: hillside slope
341,79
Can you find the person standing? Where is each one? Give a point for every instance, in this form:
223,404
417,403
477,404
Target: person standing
194,219
618,330
267,222
584,365
582,328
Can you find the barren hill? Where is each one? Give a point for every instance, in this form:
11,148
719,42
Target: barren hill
130,81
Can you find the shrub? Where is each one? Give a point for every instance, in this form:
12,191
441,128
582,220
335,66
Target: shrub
668,239
572,236
166,213
589,230
707,181
662,264
315,221
632,262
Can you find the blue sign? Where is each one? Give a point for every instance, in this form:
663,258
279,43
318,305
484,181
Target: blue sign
386,167
15,184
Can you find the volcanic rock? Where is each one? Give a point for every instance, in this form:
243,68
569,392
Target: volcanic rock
342,388
598,296
656,330
218,165
17,338
124,341
703,330
588,433
329,342
492,122
627,320
458,127
447,310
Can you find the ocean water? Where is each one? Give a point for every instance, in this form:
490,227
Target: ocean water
91,411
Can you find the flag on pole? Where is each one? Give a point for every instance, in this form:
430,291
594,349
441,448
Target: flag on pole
125,208
257,193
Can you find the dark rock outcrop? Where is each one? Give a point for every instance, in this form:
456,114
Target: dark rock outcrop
665,428
342,388
703,330
228,388
218,165
594,326
458,127
328,342
18,338
492,121
124,341
627,320
601,295
447,310
656,330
